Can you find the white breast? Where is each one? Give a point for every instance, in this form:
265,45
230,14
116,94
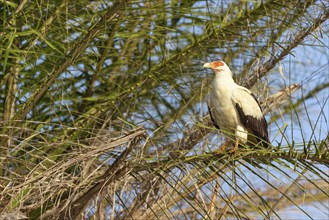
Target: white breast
223,110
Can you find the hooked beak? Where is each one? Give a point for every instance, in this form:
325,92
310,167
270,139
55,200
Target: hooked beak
207,65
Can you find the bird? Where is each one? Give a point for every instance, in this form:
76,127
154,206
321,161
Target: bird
234,109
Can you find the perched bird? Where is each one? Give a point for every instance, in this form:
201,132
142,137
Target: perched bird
234,109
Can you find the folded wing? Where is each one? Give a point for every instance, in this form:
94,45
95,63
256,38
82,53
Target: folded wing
250,114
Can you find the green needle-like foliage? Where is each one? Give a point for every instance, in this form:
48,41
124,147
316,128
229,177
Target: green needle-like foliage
103,109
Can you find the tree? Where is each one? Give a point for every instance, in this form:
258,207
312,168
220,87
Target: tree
104,116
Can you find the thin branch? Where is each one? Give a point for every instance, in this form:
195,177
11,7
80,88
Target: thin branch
111,15
169,162
298,39
116,171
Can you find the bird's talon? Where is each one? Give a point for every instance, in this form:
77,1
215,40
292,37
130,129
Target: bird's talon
233,151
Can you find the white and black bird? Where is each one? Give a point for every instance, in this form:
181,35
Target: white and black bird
234,109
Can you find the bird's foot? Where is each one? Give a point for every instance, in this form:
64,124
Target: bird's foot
223,147
235,148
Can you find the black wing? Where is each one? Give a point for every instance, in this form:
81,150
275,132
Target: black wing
212,119
257,126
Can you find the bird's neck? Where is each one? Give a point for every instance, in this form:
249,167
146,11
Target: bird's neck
224,78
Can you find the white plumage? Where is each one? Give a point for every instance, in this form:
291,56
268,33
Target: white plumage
234,109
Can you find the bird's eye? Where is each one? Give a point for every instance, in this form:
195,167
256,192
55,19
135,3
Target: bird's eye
217,63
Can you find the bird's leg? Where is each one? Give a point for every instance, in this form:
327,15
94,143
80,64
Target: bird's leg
235,148
223,147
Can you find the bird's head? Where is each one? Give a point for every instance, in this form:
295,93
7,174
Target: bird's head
218,67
